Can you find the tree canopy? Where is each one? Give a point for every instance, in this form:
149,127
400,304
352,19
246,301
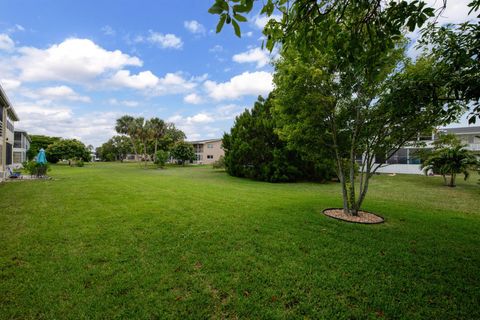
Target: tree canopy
182,152
40,142
254,150
148,136
67,149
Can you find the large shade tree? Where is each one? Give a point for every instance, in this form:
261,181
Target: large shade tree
116,148
40,142
253,149
67,149
343,72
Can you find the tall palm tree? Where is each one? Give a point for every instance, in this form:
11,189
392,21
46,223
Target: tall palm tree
126,125
158,129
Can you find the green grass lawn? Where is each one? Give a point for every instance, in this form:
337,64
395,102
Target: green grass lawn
119,241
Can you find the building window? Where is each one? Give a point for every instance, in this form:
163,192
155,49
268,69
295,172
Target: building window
209,156
199,157
17,157
399,157
210,145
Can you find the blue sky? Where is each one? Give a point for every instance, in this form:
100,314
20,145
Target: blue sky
71,68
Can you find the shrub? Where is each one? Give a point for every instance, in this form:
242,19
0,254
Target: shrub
161,158
76,162
220,163
36,169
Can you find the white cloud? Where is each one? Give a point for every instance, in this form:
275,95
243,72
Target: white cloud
228,112
216,48
127,103
196,126
193,98
10,84
73,60
247,83
206,124
6,43
171,83
254,55
90,128
108,31
194,27
260,21
247,34
455,12
142,80
60,93
168,40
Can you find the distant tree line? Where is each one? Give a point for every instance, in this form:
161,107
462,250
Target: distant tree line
57,149
149,140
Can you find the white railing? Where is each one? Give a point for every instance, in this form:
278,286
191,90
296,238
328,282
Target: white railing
473,146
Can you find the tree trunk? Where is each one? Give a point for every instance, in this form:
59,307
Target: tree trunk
145,153
155,152
452,180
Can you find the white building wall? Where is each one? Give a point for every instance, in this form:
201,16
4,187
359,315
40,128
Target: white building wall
401,168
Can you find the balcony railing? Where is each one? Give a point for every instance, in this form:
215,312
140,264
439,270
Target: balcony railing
473,146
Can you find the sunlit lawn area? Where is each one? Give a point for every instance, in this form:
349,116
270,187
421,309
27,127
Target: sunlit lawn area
120,241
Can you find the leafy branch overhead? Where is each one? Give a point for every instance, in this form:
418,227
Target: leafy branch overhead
308,16
230,12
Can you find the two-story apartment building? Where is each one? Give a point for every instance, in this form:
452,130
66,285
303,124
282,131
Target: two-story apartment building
207,151
21,144
406,159
7,118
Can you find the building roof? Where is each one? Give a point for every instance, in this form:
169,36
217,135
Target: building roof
6,103
463,130
203,141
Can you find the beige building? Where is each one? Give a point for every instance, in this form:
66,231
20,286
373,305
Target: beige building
7,118
207,151
21,145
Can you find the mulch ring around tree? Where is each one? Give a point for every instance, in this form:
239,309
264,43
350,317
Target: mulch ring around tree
363,216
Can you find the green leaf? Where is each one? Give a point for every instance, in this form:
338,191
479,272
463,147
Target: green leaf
239,17
229,19
215,9
240,8
249,5
236,27
221,22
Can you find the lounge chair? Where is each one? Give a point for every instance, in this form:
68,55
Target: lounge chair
13,175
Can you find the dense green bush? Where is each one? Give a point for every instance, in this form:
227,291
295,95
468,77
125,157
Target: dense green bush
67,149
36,169
161,158
254,150
183,152
220,163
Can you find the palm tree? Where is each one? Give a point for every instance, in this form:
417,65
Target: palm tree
450,161
158,129
126,125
